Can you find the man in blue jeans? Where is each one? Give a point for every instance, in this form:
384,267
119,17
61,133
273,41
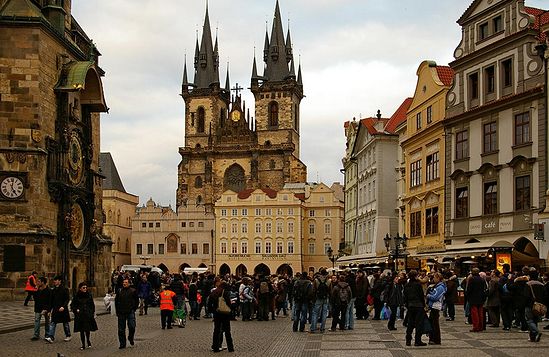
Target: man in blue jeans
59,309
321,291
303,292
126,302
42,299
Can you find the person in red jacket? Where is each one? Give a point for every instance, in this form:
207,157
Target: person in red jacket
166,307
30,287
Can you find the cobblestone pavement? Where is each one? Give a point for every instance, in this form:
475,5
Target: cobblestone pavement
275,338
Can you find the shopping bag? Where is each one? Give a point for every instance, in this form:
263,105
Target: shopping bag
385,313
426,327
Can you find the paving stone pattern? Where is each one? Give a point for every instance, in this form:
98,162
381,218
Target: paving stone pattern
264,339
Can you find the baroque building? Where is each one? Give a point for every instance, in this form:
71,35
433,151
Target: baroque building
173,240
227,149
263,231
118,210
424,161
496,132
50,105
371,172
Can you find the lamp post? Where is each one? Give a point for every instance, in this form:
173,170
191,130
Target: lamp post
397,248
331,256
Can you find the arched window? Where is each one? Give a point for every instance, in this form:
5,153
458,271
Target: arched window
201,120
198,182
118,217
273,114
234,178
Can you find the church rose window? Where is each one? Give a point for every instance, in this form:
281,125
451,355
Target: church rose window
234,178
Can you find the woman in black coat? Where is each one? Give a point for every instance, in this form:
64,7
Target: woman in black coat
84,314
415,304
222,321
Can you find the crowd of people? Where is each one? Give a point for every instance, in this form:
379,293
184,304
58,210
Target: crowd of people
516,299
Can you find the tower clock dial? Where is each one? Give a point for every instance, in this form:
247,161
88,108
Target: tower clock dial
12,187
235,115
75,159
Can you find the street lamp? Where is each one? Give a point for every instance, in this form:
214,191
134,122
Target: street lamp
331,256
397,249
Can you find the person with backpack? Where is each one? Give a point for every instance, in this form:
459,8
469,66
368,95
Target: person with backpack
303,291
264,292
535,292
246,298
341,296
321,291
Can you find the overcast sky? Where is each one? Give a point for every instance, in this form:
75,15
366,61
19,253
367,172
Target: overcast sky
357,56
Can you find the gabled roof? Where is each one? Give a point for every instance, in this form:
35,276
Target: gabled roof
468,11
541,19
244,194
399,116
445,74
20,8
369,124
112,180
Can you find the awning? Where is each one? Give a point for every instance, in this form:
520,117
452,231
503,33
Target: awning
362,259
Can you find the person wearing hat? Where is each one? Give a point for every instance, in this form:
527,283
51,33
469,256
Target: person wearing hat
30,287
59,309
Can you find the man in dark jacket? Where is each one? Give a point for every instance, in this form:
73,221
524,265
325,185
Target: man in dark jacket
362,290
395,298
535,292
222,321
42,299
476,296
303,292
451,295
321,291
341,296
126,302
59,310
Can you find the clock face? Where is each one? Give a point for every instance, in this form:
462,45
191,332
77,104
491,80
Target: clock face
12,187
77,226
235,116
75,159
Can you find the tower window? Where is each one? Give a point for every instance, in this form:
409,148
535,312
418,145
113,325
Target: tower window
198,182
201,120
273,114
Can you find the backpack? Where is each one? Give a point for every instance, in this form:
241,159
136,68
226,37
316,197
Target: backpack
300,291
343,295
322,289
263,288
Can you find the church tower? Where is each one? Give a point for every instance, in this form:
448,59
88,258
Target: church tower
278,92
225,149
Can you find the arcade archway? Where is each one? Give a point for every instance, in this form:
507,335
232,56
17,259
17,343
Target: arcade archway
262,269
241,270
224,270
285,269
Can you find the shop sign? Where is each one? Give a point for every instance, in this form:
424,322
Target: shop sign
431,248
238,256
272,256
502,258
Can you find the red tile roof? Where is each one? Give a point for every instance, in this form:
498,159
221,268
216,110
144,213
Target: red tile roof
446,75
247,193
399,116
541,19
370,123
300,196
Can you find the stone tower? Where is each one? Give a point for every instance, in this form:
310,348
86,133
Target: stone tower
225,148
50,181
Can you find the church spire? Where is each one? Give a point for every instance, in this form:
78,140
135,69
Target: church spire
185,82
206,59
299,78
277,58
227,82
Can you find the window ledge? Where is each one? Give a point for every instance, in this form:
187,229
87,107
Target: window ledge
516,146
489,153
462,160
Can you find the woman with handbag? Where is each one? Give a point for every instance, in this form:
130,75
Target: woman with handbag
435,300
84,314
534,309
219,303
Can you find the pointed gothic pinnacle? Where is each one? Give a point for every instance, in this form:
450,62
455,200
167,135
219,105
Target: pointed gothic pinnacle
227,83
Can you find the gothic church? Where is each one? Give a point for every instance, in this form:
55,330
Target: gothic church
227,149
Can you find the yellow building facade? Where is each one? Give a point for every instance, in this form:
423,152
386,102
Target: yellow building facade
423,148
264,231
